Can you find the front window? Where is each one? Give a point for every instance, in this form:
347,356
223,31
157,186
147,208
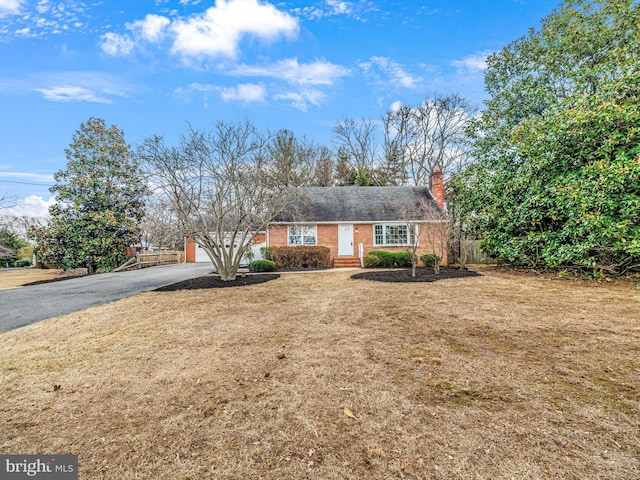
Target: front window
302,235
392,235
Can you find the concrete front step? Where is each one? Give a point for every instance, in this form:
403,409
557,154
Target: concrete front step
344,262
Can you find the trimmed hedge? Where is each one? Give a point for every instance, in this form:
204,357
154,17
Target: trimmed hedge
262,266
22,263
387,259
370,261
300,257
402,259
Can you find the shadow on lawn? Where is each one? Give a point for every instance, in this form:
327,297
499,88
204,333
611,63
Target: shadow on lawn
422,275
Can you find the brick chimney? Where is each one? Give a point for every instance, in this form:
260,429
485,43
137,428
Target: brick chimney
437,187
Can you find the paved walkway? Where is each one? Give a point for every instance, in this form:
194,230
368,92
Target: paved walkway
25,305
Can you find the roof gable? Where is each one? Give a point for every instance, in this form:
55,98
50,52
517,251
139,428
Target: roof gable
356,204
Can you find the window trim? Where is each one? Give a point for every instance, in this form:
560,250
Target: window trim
385,240
302,236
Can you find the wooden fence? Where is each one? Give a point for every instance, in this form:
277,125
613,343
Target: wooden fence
165,257
473,254
152,259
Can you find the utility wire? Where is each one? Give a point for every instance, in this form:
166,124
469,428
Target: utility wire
27,183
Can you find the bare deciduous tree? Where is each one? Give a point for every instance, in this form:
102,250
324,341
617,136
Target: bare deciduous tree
357,151
160,225
220,185
296,162
437,231
419,140
426,222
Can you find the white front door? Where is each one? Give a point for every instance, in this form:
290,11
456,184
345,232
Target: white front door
345,240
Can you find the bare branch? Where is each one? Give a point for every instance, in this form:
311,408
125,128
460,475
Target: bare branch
218,184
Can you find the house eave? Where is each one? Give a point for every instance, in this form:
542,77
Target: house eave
358,222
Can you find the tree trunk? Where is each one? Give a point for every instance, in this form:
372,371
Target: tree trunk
228,273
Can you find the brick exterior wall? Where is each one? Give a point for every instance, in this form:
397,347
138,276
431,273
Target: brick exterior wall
190,250
328,237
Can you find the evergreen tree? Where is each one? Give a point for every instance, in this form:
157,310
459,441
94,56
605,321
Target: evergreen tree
99,201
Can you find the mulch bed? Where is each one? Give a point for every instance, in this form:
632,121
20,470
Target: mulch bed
214,281
422,275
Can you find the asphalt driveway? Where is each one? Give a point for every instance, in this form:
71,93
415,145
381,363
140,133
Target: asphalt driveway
25,305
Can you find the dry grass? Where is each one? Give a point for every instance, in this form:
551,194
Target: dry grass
495,377
22,276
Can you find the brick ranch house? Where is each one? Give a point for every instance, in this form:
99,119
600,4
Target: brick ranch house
350,221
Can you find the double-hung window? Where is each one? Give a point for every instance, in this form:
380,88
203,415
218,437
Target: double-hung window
393,235
303,235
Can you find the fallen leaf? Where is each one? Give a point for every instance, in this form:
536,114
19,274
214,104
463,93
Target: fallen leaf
348,412
378,452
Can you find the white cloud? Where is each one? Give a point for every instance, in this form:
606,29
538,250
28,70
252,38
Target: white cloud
396,106
197,87
245,92
290,71
152,28
339,8
45,17
116,45
69,86
218,31
302,99
10,7
392,72
316,73
473,64
215,33
43,6
31,206
330,8
70,93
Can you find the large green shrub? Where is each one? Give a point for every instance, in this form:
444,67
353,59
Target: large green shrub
556,178
262,266
22,263
300,257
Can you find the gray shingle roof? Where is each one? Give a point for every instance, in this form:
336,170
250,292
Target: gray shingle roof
356,204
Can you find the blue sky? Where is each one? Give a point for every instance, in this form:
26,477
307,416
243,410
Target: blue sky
151,66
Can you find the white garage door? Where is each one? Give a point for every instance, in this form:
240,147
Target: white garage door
201,255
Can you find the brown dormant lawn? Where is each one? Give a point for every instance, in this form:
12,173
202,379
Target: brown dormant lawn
21,276
495,377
